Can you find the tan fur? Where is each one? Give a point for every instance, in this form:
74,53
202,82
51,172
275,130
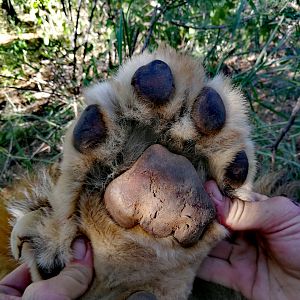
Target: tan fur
7,262
278,183
128,260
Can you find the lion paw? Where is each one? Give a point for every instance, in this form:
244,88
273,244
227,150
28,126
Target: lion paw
132,177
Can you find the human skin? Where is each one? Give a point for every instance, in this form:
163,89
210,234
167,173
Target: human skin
263,261
71,283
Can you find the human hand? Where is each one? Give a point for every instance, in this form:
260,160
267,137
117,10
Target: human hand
264,260
70,283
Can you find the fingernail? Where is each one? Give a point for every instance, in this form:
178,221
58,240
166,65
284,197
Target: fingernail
79,248
213,191
142,296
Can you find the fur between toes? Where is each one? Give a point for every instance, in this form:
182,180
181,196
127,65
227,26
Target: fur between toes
131,179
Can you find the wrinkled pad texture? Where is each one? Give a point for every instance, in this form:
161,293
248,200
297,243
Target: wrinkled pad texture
162,193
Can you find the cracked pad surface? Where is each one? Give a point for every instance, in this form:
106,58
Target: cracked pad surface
163,194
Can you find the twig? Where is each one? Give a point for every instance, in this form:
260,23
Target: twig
285,130
209,27
64,8
111,16
134,40
42,148
13,77
213,47
35,106
8,7
32,90
154,18
89,29
75,39
22,88
70,10
181,3
8,38
202,27
150,30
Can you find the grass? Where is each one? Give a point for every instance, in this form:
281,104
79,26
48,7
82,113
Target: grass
256,42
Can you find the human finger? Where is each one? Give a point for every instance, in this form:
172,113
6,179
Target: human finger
217,270
222,250
261,215
16,282
71,282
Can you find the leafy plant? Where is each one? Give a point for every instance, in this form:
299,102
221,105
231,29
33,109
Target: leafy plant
75,43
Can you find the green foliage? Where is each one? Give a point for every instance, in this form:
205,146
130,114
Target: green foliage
256,41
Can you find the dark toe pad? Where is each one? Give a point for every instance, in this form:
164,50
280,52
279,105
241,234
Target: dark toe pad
154,82
89,130
209,112
236,173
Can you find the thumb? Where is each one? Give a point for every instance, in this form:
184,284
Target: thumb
267,216
71,282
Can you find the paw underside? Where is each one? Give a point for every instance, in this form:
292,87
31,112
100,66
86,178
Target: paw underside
144,146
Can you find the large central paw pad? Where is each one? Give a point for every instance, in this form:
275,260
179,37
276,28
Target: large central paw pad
162,192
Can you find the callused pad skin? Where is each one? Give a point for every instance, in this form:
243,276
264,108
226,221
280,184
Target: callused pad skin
209,111
89,130
236,173
154,82
162,192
